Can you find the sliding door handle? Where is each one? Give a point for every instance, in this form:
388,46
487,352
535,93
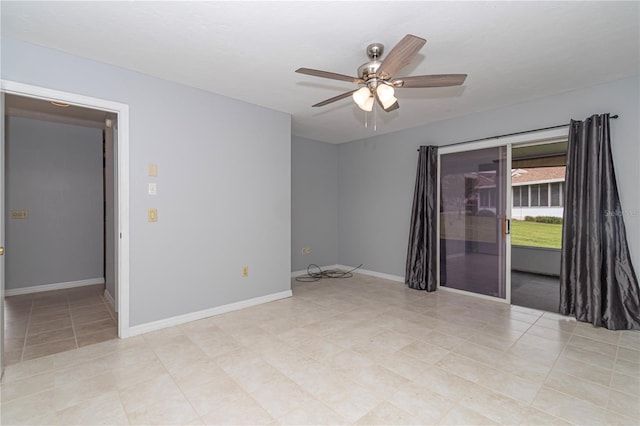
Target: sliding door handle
506,226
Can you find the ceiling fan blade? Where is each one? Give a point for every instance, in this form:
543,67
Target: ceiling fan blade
335,98
401,55
435,80
392,107
327,74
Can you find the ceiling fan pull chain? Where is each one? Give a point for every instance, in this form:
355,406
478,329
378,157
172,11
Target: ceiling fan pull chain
375,119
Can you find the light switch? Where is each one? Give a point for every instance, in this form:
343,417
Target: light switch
153,189
153,170
152,215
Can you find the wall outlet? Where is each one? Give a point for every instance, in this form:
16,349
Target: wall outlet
152,215
19,214
306,250
245,271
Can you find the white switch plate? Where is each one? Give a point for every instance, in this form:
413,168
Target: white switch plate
153,189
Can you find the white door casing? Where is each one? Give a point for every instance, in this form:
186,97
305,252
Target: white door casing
122,179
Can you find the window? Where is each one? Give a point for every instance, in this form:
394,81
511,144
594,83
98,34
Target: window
516,196
544,194
556,189
535,199
487,197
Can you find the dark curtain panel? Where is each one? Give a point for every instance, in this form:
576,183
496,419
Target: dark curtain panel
421,254
597,280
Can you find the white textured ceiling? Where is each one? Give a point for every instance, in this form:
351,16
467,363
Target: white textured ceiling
512,51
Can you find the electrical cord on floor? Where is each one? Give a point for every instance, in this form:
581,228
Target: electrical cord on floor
318,274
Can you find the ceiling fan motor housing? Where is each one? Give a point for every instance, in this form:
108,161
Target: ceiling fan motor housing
369,70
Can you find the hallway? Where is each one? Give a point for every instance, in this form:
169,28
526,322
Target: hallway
40,324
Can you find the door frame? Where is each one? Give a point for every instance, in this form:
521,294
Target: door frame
530,138
121,176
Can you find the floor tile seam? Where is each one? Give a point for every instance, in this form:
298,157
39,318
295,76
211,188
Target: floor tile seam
401,350
625,393
246,392
501,393
580,348
49,331
483,364
457,404
606,388
318,400
588,361
111,314
576,376
544,381
73,328
523,406
592,340
16,400
523,420
412,416
564,393
26,333
625,415
598,340
86,334
40,390
181,392
600,408
305,393
627,347
611,377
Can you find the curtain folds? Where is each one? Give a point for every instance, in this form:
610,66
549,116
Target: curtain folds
421,268
597,280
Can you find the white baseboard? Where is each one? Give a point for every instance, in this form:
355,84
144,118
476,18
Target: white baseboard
55,286
194,316
304,271
372,273
110,300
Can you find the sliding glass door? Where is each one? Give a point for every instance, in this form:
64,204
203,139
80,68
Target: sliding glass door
473,221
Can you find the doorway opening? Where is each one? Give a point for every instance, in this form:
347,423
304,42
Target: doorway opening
537,186
87,300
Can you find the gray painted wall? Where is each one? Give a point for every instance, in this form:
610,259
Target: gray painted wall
376,175
535,259
54,171
224,184
314,208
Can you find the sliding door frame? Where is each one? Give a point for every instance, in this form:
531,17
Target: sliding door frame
533,138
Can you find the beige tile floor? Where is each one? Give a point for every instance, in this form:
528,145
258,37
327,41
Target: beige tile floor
353,351
40,324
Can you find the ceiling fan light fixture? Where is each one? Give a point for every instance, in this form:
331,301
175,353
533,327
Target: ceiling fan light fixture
361,96
367,105
385,93
388,102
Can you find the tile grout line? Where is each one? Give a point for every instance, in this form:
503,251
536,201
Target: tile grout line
73,327
26,333
604,408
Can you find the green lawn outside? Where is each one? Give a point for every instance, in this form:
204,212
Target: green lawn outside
535,234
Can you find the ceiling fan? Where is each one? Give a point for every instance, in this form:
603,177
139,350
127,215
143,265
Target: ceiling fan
376,76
